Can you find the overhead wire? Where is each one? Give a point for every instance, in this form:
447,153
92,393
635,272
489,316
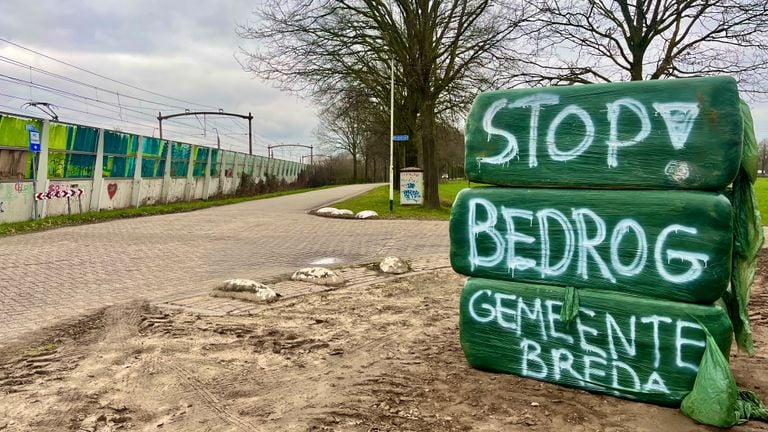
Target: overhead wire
65,95
63,107
85,100
136,110
103,76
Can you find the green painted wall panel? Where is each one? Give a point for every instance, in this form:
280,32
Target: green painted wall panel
118,166
14,133
118,143
628,346
667,134
72,138
674,245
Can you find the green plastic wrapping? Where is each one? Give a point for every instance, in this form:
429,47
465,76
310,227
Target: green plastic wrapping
747,239
668,244
661,134
750,156
628,346
751,406
597,289
570,309
715,400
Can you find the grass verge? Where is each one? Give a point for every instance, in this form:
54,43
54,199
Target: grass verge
378,200
761,192
107,215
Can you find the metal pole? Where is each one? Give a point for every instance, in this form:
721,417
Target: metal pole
34,185
250,134
391,132
311,156
160,119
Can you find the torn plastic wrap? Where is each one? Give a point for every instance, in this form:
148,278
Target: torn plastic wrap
715,400
748,238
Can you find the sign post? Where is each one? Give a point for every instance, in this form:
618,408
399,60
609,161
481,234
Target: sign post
34,147
392,164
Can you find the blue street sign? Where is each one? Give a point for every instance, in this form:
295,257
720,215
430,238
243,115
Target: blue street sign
400,137
34,140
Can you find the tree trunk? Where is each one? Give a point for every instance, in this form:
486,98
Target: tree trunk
354,168
431,178
365,175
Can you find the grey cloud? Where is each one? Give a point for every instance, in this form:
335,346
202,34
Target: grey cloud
179,48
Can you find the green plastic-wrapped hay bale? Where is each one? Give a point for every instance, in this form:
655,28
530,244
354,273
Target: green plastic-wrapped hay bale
628,346
672,245
662,134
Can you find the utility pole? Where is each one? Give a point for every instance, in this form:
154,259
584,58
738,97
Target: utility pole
391,132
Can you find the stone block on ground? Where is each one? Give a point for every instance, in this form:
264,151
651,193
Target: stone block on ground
394,265
318,275
367,214
343,212
326,211
245,289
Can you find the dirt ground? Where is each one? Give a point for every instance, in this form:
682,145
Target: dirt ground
382,358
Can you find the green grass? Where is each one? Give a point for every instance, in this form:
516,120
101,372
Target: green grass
107,215
761,191
378,200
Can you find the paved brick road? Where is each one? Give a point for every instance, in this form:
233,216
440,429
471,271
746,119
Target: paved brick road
59,274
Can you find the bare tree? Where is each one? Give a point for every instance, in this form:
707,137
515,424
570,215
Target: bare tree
343,125
584,41
443,52
762,148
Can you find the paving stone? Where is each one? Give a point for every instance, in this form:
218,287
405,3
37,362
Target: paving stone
70,271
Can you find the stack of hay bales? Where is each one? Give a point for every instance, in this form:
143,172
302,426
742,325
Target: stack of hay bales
599,258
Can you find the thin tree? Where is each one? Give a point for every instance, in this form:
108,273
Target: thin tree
762,147
343,125
585,41
443,52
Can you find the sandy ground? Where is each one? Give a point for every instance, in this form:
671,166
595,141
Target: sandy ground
382,358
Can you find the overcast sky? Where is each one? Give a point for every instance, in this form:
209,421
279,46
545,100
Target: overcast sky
185,49
182,49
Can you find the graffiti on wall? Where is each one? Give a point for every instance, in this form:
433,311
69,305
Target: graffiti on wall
60,191
18,190
411,187
14,200
111,190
